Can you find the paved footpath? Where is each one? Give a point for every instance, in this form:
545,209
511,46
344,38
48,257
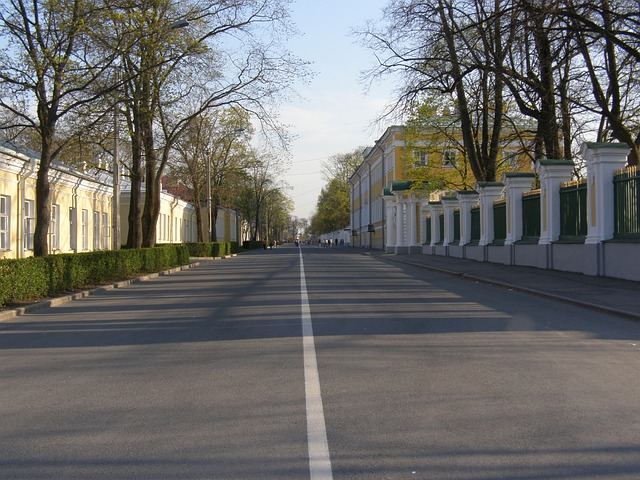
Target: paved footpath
605,294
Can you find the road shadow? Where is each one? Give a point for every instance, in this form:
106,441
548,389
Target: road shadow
257,296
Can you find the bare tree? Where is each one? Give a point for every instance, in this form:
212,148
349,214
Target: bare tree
451,48
258,183
608,39
211,150
49,69
220,60
343,165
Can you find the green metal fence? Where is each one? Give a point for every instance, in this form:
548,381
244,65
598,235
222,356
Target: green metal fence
456,227
499,222
427,229
531,216
573,211
475,224
441,220
626,188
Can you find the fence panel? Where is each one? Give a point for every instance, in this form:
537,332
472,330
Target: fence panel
428,231
531,216
626,188
573,211
499,222
475,224
441,221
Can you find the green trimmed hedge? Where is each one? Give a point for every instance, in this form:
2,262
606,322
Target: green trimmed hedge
33,278
252,244
212,249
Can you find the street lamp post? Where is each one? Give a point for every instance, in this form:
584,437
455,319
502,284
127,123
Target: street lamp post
115,203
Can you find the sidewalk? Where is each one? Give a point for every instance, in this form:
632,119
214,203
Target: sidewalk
605,294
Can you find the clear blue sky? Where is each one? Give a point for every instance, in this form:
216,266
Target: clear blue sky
336,116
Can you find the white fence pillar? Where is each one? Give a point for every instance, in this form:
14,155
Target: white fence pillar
516,183
602,160
552,173
400,213
488,192
436,235
449,204
424,210
412,218
390,205
467,199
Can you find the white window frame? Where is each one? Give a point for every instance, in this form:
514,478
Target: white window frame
5,222
54,227
85,229
29,224
449,158
420,157
105,230
96,230
73,228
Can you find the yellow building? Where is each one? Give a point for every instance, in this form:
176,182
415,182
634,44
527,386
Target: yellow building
399,173
80,206
81,209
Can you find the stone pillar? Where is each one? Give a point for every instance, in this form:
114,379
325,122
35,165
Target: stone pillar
436,235
488,193
424,209
400,221
602,160
412,218
449,204
552,174
516,183
467,199
390,206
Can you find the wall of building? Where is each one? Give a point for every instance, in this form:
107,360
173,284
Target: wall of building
81,209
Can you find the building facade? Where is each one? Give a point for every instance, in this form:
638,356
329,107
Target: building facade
81,209
388,187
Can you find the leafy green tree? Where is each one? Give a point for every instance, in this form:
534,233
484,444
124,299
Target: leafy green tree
333,207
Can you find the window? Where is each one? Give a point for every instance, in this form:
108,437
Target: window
420,158
54,227
5,216
449,158
29,224
105,231
73,228
96,230
85,229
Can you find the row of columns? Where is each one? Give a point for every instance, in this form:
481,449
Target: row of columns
402,222
602,160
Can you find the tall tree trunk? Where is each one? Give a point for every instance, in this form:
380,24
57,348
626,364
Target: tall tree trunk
548,125
43,213
198,206
43,193
134,236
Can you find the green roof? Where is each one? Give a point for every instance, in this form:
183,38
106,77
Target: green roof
397,185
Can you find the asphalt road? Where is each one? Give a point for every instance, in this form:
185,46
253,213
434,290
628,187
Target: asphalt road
205,374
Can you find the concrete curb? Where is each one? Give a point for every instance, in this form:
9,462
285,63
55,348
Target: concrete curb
54,302
527,290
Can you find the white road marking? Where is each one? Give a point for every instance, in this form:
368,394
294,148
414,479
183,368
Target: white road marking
319,459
